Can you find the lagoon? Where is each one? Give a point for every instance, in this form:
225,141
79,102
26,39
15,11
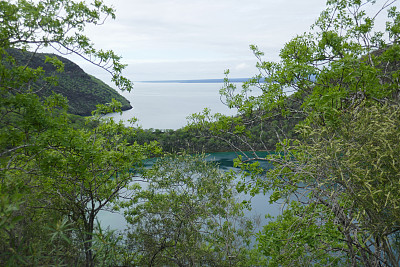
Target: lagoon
165,105
259,203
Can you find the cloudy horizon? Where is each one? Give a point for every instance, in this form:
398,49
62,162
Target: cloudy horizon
197,39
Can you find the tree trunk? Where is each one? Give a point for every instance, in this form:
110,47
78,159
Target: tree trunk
88,241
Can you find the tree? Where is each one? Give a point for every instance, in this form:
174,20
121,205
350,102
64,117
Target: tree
343,167
188,214
59,24
54,176
84,172
351,179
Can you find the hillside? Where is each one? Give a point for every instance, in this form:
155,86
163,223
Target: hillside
82,90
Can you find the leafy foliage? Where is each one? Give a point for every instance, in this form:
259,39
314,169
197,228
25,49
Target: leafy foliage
259,135
338,173
82,90
59,24
352,174
300,226
188,214
56,176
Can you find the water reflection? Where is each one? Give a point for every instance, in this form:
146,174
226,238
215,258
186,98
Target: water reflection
225,159
259,203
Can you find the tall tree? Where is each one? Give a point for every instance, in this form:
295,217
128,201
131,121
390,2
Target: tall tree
343,168
50,171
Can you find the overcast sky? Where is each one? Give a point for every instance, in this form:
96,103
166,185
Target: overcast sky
198,39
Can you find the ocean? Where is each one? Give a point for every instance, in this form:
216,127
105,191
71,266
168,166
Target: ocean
167,105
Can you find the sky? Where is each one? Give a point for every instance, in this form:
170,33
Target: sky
198,39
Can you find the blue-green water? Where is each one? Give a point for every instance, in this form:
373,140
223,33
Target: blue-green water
166,106
259,203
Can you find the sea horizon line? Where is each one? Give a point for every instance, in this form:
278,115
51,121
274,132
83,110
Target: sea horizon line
198,80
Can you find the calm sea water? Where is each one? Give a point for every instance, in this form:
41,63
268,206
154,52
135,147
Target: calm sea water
166,105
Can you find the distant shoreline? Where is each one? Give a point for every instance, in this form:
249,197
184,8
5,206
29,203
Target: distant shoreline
233,80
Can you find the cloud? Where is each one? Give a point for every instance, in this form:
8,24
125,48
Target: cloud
173,33
241,66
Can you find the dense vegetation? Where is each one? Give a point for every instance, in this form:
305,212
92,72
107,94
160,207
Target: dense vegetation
340,176
59,171
55,176
338,171
82,90
262,134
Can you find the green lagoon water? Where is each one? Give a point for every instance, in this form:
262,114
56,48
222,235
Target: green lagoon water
166,106
259,203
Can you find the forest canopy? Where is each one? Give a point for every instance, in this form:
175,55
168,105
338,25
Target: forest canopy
56,177
57,174
338,173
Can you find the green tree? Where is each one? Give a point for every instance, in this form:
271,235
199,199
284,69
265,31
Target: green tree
343,167
84,171
56,178
188,214
59,24
351,177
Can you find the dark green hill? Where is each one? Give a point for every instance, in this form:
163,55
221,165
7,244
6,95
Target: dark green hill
82,90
